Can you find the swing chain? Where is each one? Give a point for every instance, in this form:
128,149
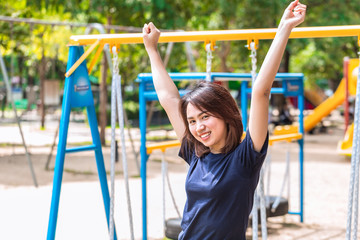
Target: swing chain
208,61
253,62
115,61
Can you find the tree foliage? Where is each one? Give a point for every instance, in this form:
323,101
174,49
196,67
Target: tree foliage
317,58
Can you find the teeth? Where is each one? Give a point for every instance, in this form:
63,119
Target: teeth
205,135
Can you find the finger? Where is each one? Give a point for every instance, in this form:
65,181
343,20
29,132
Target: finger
146,29
300,6
293,4
297,9
152,26
300,10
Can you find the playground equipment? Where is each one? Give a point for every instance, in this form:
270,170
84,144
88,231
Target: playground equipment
345,146
6,79
172,226
75,66
326,107
116,101
77,93
260,189
292,85
347,86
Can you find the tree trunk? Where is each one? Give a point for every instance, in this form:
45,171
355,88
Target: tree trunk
284,66
103,95
42,85
223,54
103,99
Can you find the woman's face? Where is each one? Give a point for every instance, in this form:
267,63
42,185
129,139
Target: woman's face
207,129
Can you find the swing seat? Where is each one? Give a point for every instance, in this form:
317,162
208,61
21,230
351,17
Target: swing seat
281,210
173,228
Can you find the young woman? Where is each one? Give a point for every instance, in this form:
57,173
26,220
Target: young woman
224,171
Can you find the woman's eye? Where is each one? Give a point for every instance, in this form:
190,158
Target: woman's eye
205,117
191,122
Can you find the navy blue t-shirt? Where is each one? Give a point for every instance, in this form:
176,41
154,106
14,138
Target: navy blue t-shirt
220,191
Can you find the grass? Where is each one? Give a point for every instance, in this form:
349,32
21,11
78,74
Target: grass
159,138
90,173
157,160
85,143
160,127
11,145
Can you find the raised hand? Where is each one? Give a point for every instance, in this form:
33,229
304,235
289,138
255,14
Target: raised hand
294,14
151,36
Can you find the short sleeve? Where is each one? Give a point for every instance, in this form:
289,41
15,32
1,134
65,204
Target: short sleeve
249,157
186,151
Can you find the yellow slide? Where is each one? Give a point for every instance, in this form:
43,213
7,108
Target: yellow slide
319,112
328,105
345,146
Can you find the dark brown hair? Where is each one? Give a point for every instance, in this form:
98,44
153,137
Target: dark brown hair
217,101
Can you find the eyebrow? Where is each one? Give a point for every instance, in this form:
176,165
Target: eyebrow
198,114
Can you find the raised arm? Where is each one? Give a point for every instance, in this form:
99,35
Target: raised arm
165,88
258,120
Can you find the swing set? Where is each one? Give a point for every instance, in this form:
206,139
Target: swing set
77,93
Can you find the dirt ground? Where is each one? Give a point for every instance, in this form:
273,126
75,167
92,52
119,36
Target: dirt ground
24,209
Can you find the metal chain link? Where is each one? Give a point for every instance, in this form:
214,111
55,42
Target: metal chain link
253,63
354,175
120,110
254,215
261,192
285,180
255,204
208,61
115,72
261,189
115,62
116,101
165,179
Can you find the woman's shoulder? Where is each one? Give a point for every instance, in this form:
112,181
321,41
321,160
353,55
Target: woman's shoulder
187,150
247,144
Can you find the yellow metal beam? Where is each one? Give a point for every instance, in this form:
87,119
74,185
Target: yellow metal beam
175,143
82,58
209,36
286,137
162,146
219,35
97,55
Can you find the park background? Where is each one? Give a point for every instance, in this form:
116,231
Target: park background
36,54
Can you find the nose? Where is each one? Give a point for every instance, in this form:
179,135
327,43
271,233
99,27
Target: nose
200,127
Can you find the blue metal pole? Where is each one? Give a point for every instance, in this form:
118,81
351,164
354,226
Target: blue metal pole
143,154
77,93
301,146
244,103
60,156
301,163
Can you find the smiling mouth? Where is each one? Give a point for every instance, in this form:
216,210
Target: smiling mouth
205,136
